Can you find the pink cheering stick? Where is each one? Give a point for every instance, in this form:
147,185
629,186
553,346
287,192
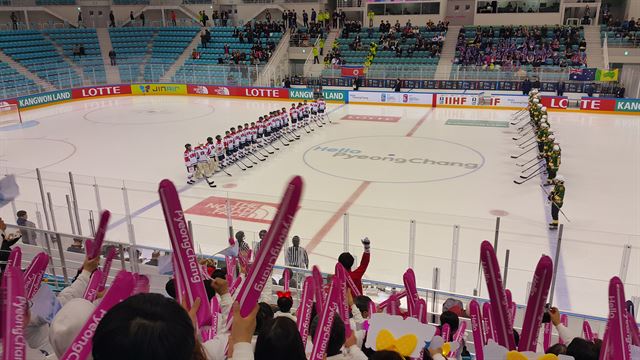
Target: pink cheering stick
398,295
318,286
88,248
91,292
546,337
512,306
325,322
305,307
619,339
422,311
476,328
120,289
499,306
260,272
287,279
231,268
538,294
409,279
210,332
445,332
14,313
101,231
371,307
15,258
459,338
106,268
487,322
186,267
564,320
586,331
34,273
354,289
633,329
236,284
343,306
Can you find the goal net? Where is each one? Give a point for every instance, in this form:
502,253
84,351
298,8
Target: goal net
9,114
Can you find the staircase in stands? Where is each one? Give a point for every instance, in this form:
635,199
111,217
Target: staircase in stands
595,56
443,71
311,69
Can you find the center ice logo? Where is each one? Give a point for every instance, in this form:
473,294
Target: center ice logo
356,154
393,159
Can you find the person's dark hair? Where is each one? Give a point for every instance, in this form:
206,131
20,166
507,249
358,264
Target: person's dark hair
449,317
265,314
386,355
346,260
516,337
362,303
337,337
557,349
170,288
219,274
146,326
279,339
240,235
582,349
284,304
21,213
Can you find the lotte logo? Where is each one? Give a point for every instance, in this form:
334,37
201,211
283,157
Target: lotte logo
100,91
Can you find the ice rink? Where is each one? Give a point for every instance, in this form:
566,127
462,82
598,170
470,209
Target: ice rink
383,166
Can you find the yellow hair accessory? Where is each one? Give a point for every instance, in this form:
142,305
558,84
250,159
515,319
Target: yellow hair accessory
403,345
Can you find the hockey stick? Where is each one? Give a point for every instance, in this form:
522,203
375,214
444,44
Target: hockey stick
254,155
243,163
516,157
525,163
277,148
527,169
559,209
522,135
518,120
527,142
283,143
224,171
241,168
527,179
533,173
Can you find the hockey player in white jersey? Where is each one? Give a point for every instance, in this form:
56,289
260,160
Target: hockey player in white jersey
190,161
202,165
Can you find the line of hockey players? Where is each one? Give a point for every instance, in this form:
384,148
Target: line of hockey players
244,144
549,152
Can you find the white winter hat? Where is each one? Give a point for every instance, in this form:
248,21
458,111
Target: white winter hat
68,323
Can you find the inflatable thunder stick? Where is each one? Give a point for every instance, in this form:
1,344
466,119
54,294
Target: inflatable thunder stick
304,309
564,320
538,294
211,331
422,311
100,233
487,323
619,337
106,268
409,279
142,284
287,279
14,312
499,306
476,328
325,322
34,273
15,258
91,292
445,332
459,337
121,289
587,333
343,306
318,287
271,245
186,268
546,340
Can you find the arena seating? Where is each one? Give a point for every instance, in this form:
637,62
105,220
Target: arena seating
13,84
526,49
168,45
132,46
31,49
91,63
220,74
620,34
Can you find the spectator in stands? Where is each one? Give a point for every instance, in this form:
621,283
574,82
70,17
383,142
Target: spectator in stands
293,283
76,247
371,15
215,18
294,19
285,17
315,55
285,302
76,50
80,24
131,17
357,82
305,18
14,21
313,15
142,18
296,256
28,236
195,54
536,83
450,318
155,255
560,87
335,18
590,89
112,19
286,85
347,260
337,340
173,18
8,240
112,57
557,349
396,86
203,38
620,93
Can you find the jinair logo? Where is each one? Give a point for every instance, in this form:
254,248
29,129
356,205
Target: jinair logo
358,155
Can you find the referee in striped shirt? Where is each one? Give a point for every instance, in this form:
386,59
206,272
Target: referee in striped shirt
296,256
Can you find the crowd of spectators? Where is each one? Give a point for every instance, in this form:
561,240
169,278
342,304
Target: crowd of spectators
485,49
625,29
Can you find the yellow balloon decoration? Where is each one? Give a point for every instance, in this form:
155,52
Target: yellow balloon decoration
514,355
403,345
548,357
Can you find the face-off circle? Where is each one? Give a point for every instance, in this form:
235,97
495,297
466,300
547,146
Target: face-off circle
393,159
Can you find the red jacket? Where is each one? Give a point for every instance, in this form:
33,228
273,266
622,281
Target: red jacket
356,275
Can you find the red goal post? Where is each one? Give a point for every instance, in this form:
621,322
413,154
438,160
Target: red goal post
9,114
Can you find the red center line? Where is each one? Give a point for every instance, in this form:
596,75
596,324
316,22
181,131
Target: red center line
324,230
